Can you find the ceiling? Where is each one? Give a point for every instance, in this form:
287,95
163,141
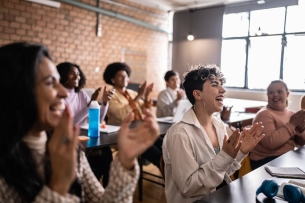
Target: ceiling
176,5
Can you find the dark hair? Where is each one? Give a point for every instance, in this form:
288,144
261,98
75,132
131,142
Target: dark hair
197,76
283,83
18,68
169,74
112,69
63,70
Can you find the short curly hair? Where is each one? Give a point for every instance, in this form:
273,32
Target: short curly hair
197,76
112,69
63,70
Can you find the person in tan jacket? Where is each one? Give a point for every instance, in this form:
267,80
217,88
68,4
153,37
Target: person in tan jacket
124,101
199,157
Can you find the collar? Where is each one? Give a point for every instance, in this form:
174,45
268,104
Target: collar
71,91
171,91
190,118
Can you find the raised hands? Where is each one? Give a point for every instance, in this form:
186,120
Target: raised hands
297,119
141,89
148,90
63,154
180,95
107,95
133,142
96,94
250,137
232,144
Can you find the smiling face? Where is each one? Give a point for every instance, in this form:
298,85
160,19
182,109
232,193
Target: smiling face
277,96
211,97
120,79
73,78
49,95
173,82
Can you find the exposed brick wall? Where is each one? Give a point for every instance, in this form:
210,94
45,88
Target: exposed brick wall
70,34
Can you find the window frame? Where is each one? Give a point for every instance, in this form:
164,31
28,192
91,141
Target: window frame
247,38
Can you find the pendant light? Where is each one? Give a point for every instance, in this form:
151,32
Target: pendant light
190,36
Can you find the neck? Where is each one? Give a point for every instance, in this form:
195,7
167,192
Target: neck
204,117
122,89
35,133
276,108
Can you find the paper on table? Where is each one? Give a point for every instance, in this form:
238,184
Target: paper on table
289,172
107,129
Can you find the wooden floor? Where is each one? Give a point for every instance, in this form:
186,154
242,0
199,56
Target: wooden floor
152,193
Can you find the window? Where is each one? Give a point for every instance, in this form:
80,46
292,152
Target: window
264,61
269,21
235,25
294,62
233,54
264,45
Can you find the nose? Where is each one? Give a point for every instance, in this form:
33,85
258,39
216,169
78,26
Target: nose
62,92
222,90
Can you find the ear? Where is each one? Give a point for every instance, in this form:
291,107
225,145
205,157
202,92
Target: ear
288,93
197,94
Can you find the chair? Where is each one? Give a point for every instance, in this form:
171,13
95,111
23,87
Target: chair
162,164
302,102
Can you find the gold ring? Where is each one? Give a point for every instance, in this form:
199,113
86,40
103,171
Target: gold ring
65,139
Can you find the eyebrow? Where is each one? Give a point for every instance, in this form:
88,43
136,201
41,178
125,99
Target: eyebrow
214,82
47,77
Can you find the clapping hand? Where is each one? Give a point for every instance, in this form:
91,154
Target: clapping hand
180,95
148,90
250,137
232,144
133,142
96,94
297,119
141,89
107,95
63,154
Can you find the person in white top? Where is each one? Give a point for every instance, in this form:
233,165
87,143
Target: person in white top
199,157
168,99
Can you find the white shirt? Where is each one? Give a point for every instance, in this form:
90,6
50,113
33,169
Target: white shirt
192,168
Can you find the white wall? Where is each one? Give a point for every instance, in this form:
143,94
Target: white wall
294,97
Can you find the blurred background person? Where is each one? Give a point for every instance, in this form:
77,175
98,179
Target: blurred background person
284,129
168,99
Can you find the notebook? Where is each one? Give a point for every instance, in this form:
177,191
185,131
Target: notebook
182,107
285,172
105,128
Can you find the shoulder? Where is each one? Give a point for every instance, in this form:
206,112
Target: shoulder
82,94
263,114
181,131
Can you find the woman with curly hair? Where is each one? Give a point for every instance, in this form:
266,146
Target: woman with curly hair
124,101
199,156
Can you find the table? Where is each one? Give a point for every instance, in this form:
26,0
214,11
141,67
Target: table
107,139
238,118
243,189
239,105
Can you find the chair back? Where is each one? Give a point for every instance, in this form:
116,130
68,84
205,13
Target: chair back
162,164
303,102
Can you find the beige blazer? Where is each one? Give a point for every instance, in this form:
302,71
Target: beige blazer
119,107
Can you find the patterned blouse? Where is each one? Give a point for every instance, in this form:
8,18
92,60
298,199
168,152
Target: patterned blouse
121,186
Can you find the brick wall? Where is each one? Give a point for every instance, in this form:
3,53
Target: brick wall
70,34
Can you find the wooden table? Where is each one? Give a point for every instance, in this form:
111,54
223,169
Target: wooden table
243,190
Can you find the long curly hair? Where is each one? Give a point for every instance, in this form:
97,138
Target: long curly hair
63,70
